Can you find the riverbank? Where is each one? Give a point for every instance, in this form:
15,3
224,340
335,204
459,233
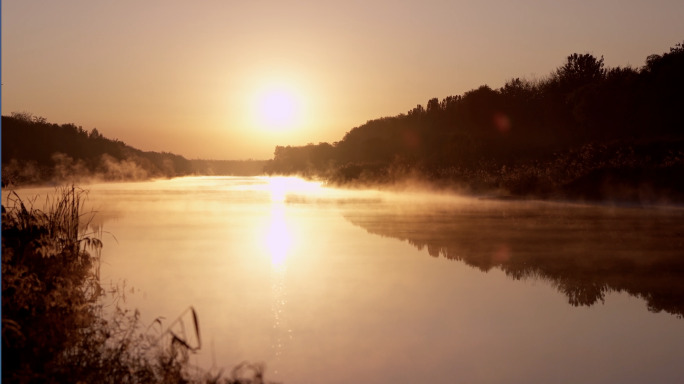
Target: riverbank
56,326
626,171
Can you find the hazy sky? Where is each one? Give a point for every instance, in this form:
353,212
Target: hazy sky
214,79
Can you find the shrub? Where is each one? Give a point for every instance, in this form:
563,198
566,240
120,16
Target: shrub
54,327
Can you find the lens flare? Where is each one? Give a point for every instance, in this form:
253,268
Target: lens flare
502,122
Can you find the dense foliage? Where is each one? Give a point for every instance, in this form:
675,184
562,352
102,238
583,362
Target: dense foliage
484,135
34,151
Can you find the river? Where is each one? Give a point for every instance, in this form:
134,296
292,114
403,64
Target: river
327,285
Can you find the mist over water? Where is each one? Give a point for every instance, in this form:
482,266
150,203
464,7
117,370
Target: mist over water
336,286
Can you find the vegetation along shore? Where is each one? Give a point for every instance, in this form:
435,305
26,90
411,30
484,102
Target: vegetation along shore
61,324
583,132
36,152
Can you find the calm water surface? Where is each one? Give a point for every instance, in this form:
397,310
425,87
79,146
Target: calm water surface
334,286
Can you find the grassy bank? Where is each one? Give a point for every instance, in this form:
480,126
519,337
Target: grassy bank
55,328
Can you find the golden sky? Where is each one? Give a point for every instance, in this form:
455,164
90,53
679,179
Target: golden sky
233,79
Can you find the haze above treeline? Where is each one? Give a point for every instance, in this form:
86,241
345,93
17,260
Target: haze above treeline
584,130
183,77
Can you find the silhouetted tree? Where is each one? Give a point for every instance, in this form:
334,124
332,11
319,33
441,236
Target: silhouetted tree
580,70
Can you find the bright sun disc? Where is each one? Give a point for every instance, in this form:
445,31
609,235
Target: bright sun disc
278,109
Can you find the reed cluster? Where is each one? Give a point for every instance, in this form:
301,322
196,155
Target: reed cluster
60,324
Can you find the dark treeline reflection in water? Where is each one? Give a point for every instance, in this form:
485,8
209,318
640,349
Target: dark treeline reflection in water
585,252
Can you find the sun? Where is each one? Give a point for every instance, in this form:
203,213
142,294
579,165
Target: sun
277,109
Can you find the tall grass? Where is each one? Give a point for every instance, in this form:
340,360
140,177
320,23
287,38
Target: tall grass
54,327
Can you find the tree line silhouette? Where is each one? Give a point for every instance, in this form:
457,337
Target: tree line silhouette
623,122
36,151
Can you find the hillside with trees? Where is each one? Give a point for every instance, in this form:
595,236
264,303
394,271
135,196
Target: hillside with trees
585,130
35,151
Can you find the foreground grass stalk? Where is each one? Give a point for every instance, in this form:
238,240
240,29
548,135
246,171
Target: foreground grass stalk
54,328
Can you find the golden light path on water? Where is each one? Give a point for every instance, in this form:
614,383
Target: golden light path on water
279,240
338,286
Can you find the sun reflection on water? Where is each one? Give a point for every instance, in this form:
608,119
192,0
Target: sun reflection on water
278,238
280,187
279,242
278,303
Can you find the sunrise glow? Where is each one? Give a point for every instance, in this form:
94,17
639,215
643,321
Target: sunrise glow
278,108
278,239
280,187
361,191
